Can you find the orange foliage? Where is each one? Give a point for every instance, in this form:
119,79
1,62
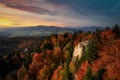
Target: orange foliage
21,73
22,55
49,52
89,37
66,54
36,64
82,71
107,35
110,60
70,35
57,51
42,73
37,58
83,35
76,42
80,37
54,40
61,37
58,74
26,77
41,65
72,67
45,41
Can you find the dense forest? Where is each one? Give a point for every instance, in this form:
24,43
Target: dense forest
69,56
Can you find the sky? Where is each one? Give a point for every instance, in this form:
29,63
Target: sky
22,13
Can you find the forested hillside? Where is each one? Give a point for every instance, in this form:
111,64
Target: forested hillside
69,56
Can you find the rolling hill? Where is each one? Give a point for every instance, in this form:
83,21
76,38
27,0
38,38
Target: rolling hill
38,31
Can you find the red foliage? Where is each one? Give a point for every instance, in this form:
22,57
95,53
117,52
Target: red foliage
42,73
57,52
82,71
61,38
22,56
110,60
58,74
70,35
36,65
76,42
80,37
107,35
41,64
54,40
49,52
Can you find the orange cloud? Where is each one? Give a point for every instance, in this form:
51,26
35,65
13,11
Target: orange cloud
10,17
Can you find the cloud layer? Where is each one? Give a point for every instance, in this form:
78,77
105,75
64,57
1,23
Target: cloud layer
67,12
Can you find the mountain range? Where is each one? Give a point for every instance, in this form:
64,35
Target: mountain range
38,31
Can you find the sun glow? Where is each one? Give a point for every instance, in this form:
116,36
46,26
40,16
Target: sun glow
5,22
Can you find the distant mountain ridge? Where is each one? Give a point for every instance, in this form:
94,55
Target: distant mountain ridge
86,28
38,31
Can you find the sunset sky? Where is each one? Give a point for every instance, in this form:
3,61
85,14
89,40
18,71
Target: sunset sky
20,13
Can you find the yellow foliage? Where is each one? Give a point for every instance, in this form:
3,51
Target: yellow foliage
72,67
66,54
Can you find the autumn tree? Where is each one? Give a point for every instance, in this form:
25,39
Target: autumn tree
43,73
59,73
21,73
90,76
109,59
72,67
82,70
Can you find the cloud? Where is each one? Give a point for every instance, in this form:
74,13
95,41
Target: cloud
28,5
78,12
53,7
17,18
93,9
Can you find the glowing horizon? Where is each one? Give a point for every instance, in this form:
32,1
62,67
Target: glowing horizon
7,19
